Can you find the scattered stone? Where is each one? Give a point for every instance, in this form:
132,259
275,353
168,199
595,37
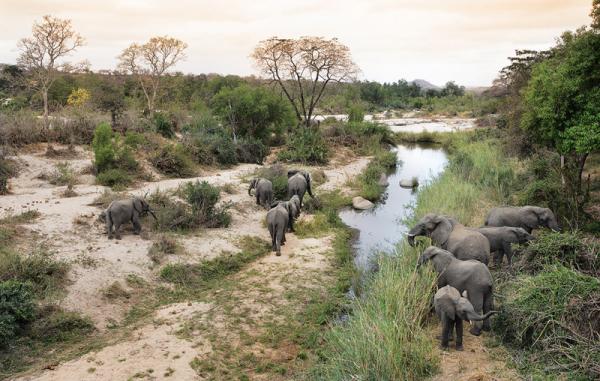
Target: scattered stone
361,203
409,183
383,180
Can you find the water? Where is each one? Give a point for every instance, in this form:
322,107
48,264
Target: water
382,227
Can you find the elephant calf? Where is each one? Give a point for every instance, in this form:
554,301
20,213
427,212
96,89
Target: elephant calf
123,211
293,208
277,222
526,217
501,238
471,276
449,234
452,308
264,191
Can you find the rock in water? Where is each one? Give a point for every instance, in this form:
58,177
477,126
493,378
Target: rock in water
361,203
383,181
409,183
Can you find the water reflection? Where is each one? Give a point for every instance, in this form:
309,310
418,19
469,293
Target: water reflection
382,227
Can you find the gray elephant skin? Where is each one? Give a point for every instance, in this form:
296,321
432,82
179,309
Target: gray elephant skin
120,212
452,308
293,208
501,238
471,276
263,191
449,234
526,217
277,222
299,182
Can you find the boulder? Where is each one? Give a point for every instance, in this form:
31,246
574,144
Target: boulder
409,183
383,181
361,203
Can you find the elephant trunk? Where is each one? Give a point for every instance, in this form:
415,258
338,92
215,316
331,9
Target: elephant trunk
476,317
250,189
152,213
411,239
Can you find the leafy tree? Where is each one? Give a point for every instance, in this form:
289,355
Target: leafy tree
251,111
595,14
79,97
51,40
453,90
110,97
562,104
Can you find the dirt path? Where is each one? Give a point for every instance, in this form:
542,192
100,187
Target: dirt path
230,332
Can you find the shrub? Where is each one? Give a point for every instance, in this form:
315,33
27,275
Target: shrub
277,174
369,179
38,269
356,113
161,247
104,151
172,160
62,175
537,313
203,198
134,139
52,325
114,178
16,308
306,145
7,170
250,150
163,125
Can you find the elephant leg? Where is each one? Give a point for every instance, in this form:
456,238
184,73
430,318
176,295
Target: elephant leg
447,325
117,232
498,256
458,323
283,234
280,239
476,299
488,305
292,225
273,237
257,198
137,226
109,226
508,251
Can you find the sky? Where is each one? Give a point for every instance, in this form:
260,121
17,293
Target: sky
467,41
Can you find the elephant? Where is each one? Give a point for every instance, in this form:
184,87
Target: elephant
471,276
526,217
293,208
449,234
500,239
123,211
277,222
264,191
299,183
452,308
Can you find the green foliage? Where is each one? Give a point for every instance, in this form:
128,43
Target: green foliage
53,325
44,274
104,151
252,111
115,178
114,160
368,181
162,125
543,313
277,174
16,308
173,160
134,139
251,150
356,114
307,146
194,275
203,198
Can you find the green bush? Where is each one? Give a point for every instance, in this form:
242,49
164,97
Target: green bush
7,170
368,180
52,325
174,161
203,198
44,274
114,178
250,150
277,174
104,150
306,145
16,308
134,139
542,312
163,125
356,113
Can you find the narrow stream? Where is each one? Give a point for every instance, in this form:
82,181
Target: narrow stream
383,226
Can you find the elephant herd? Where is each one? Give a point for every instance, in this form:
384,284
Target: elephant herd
460,256
282,214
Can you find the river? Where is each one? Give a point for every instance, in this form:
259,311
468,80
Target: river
383,226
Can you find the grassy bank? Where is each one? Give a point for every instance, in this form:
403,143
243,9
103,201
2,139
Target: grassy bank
385,337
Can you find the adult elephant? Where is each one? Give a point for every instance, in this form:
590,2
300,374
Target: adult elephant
120,212
471,276
277,223
449,234
526,217
298,184
263,191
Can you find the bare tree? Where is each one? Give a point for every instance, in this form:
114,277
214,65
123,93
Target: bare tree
51,40
150,61
303,68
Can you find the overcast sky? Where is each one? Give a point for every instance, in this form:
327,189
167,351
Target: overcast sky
437,40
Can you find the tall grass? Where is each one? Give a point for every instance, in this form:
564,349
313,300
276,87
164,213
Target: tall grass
385,336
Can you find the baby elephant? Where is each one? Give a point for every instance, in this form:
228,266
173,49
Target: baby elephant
501,238
123,211
277,222
264,191
452,308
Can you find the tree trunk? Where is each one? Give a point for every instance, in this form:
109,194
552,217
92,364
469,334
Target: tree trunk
45,97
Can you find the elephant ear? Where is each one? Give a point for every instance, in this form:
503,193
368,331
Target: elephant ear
442,230
308,181
531,218
447,306
138,205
